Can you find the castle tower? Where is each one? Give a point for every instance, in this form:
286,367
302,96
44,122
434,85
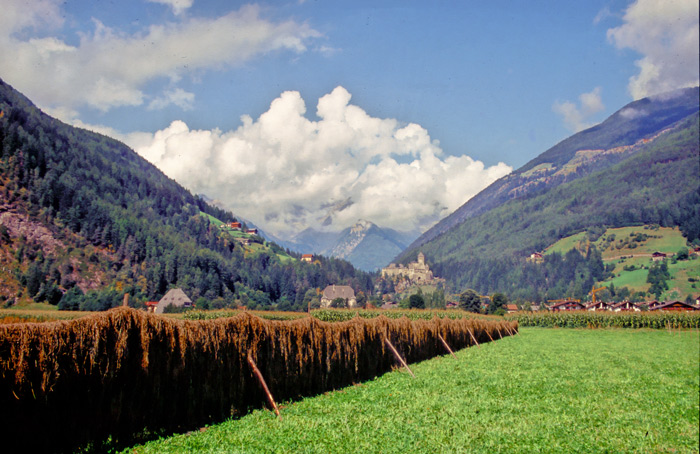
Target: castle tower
421,259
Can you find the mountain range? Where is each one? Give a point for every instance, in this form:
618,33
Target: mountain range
84,219
365,245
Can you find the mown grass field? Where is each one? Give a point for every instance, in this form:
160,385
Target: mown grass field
547,390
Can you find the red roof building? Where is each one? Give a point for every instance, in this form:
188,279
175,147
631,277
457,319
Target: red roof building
598,306
675,306
625,306
569,305
658,256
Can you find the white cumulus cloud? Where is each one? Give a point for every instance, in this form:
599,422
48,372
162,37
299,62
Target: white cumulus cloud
109,68
287,172
577,118
666,34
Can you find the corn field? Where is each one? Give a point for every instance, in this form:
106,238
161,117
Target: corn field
590,319
124,372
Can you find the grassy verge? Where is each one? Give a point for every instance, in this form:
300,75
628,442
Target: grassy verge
548,390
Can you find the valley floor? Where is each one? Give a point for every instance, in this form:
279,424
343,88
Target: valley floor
547,390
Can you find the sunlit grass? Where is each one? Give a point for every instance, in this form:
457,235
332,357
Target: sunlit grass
547,390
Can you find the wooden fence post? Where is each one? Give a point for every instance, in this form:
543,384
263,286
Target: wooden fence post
257,373
126,300
446,346
399,357
473,338
488,334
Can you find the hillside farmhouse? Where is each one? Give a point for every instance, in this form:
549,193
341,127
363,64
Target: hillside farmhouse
658,256
333,292
536,257
307,257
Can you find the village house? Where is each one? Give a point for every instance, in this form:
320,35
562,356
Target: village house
390,305
652,304
151,306
333,292
235,225
625,306
510,308
675,306
567,305
251,231
175,297
598,306
307,257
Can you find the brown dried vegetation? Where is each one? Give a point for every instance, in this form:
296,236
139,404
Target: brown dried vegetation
124,372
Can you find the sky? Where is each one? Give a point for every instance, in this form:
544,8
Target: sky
296,114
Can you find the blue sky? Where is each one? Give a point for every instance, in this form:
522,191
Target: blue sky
425,103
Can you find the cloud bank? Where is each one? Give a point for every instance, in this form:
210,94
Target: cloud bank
178,6
286,172
666,34
577,118
109,68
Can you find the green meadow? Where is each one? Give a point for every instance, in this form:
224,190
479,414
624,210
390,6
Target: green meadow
546,390
630,249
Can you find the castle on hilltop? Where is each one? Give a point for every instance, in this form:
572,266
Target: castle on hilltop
416,272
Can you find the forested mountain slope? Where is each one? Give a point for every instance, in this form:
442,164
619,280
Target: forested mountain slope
656,184
82,212
588,151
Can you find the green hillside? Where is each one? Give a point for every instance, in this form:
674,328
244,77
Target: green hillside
84,220
589,151
658,184
627,251
255,244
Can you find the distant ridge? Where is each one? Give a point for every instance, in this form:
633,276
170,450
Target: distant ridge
365,245
636,121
